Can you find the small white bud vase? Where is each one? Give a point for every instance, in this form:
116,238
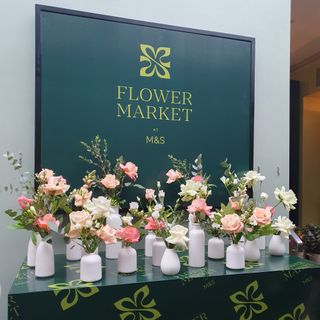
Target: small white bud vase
148,242
215,248
251,250
170,262
32,249
196,246
277,246
127,260
73,250
262,242
235,257
191,221
158,249
90,268
44,266
114,221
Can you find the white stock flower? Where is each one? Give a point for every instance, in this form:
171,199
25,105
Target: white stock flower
264,196
158,184
252,177
283,225
99,207
178,237
223,179
155,215
134,205
216,226
127,220
288,198
161,194
252,221
158,207
235,181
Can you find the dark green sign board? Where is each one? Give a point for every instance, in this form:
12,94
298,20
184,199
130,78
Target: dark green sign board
150,89
275,288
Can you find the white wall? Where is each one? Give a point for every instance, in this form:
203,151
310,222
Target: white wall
266,20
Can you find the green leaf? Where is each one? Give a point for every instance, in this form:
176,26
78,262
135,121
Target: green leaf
33,238
11,213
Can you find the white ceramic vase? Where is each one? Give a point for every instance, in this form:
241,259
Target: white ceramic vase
158,249
262,242
114,221
235,257
44,264
251,250
74,250
148,242
127,260
32,249
170,262
191,221
277,246
90,268
196,246
215,248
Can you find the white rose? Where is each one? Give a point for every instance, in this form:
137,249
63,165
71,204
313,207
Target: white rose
127,220
252,177
178,237
99,207
190,190
158,207
134,205
155,215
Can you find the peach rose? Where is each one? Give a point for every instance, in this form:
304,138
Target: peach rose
262,216
24,202
128,234
42,222
199,205
44,175
271,209
130,169
55,186
235,205
107,234
231,223
78,219
149,194
110,181
82,197
173,175
154,224
197,179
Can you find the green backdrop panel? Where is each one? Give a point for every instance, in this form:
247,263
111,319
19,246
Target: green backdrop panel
151,90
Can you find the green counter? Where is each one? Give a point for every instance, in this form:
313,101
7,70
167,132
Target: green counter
276,288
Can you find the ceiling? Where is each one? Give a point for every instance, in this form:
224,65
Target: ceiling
305,31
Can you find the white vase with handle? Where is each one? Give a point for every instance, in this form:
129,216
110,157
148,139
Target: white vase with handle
114,221
44,265
32,250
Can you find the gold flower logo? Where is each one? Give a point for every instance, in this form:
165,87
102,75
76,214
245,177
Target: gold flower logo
298,314
154,61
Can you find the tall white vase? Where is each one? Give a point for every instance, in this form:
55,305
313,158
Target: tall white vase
127,260
215,248
32,249
277,246
114,221
158,249
44,266
90,268
251,250
191,221
74,250
235,257
170,262
196,247
148,242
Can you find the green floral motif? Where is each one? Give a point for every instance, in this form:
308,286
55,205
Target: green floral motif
72,290
13,309
250,265
184,260
249,302
298,314
138,308
73,267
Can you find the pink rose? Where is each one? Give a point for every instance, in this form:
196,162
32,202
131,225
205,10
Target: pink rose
199,205
55,186
154,224
44,175
271,209
231,223
128,234
107,234
262,216
173,175
235,205
110,181
42,222
149,194
82,197
197,179
130,169
24,202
